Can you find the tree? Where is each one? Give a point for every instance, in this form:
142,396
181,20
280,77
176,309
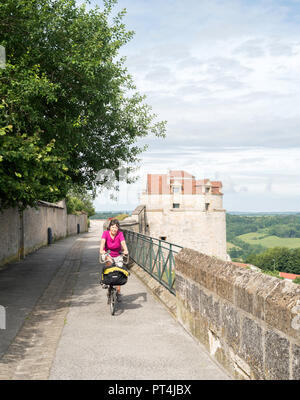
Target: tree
277,259
79,200
27,169
65,85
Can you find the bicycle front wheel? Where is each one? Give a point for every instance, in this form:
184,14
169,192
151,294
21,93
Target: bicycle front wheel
113,301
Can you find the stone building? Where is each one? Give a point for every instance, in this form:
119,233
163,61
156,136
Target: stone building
183,210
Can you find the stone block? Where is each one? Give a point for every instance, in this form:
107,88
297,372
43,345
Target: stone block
215,315
282,308
188,299
296,362
201,275
252,346
180,285
189,262
230,320
185,318
184,261
209,308
190,323
244,290
194,298
201,330
225,281
181,311
262,285
221,357
277,358
205,304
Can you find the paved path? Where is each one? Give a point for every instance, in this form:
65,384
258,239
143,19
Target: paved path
65,330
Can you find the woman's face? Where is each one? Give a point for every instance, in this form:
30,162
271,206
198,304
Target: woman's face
113,229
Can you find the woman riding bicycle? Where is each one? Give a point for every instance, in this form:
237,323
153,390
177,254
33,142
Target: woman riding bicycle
113,240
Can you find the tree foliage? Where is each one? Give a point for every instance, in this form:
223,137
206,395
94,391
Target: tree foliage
277,259
64,86
28,167
278,225
78,200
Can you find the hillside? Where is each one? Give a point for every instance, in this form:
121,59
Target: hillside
108,214
253,234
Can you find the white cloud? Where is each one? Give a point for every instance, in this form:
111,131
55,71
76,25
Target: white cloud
224,74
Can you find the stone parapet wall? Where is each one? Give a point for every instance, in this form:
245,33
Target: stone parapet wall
249,322
131,227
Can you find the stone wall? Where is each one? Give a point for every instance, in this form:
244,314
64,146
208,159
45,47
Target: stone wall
198,223
22,235
200,230
130,224
36,224
248,321
73,221
186,201
9,235
139,215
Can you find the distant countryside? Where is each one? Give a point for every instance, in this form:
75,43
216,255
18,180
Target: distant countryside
270,242
109,214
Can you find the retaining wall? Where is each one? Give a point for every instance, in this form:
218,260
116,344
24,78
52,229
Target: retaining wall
36,224
73,221
248,321
9,235
19,238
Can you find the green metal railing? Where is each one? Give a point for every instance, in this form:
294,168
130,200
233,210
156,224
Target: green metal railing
154,255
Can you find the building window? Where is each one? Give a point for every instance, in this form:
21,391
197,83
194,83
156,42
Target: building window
176,189
175,205
206,206
207,190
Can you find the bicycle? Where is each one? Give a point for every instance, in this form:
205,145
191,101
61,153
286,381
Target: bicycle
112,291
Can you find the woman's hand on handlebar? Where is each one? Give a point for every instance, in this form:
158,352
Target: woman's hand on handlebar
103,257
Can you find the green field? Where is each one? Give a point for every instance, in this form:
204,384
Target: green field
231,246
269,241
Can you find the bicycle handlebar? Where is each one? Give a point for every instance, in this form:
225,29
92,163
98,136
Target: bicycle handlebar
102,256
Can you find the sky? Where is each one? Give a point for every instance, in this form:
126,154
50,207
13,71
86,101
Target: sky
225,75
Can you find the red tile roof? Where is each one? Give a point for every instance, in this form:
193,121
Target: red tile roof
161,183
216,184
243,265
286,275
